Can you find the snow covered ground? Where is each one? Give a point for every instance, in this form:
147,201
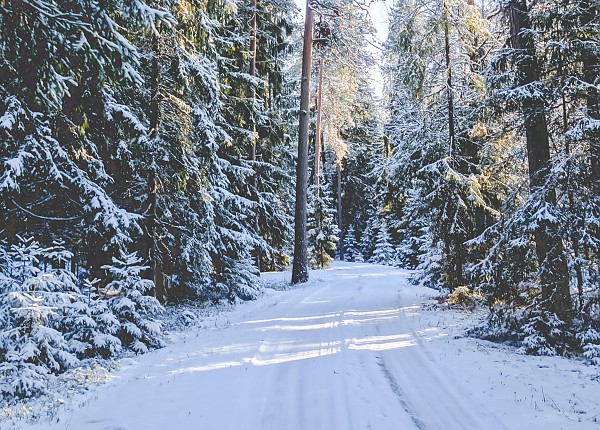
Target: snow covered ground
352,349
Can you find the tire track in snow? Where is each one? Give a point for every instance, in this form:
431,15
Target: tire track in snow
431,398
322,358
400,395
272,399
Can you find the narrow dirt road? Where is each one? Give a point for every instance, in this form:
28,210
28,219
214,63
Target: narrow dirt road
343,352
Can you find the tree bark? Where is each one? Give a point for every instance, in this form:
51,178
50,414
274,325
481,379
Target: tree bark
554,274
591,67
254,142
253,37
154,272
318,131
571,197
300,266
451,130
454,243
339,208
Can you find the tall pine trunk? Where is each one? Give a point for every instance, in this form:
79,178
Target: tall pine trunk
339,207
554,274
254,143
451,131
318,130
154,272
453,242
591,67
300,266
571,198
253,39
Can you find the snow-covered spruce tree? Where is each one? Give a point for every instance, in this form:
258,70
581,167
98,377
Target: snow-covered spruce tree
48,323
57,59
244,275
384,252
414,246
572,36
160,143
127,297
367,238
246,197
254,92
197,225
31,303
364,152
322,234
351,249
60,61
520,86
550,216
165,175
434,153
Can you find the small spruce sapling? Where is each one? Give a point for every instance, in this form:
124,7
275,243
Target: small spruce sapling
384,250
322,234
33,296
128,299
242,279
352,253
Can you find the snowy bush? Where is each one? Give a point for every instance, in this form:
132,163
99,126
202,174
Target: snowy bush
92,327
464,297
322,233
536,332
431,265
545,334
187,318
590,343
367,239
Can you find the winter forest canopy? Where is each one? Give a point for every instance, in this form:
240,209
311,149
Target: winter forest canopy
150,150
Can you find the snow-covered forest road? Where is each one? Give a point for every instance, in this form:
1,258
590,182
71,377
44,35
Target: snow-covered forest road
352,349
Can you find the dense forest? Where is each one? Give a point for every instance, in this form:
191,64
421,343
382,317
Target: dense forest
151,155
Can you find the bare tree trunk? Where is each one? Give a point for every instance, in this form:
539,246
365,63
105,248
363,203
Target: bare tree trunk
253,37
318,131
574,238
300,266
252,72
339,208
154,271
451,131
550,253
591,67
454,245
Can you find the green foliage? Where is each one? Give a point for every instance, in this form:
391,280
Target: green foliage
322,234
125,128
351,248
468,214
48,322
